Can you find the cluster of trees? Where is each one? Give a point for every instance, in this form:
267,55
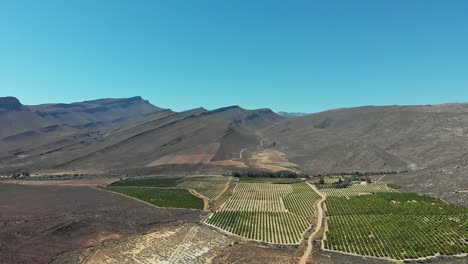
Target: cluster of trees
21,175
268,174
360,173
342,183
351,176
345,181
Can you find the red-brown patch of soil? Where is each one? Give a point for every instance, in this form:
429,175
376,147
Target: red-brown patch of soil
262,159
229,163
38,223
198,155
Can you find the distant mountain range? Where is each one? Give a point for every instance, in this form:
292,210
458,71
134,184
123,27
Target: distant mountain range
291,115
108,134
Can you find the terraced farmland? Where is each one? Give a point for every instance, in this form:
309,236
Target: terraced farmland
209,186
272,213
357,189
395,225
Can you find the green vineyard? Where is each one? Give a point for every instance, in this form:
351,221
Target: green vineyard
272,213
395,225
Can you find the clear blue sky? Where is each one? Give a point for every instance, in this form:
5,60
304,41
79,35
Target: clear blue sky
286,55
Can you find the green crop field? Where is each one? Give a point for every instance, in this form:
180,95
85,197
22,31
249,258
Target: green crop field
150,181
163,197
209,186
273,213
395,225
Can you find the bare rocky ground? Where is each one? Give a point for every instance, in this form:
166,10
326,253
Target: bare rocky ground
447,181
39,223
186,243
250,252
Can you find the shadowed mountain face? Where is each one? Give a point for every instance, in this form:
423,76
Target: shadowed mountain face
200,137
10,104
36,131
17,119
98,113
121,133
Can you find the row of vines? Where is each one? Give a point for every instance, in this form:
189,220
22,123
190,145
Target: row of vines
272,213
396,226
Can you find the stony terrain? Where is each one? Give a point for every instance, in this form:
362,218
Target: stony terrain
187,243
39,223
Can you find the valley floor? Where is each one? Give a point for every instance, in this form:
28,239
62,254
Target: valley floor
74,222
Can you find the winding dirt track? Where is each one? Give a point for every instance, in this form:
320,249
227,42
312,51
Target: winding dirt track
317,227
206,201
260,145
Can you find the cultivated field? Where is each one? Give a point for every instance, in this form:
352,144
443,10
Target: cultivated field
209,186
150,181
395,225
269,180
327,182
272,213
357,189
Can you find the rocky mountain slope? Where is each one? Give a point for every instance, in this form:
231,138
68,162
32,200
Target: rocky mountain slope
388,138
99,134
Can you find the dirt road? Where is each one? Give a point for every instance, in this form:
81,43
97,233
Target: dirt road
317,227
260,145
